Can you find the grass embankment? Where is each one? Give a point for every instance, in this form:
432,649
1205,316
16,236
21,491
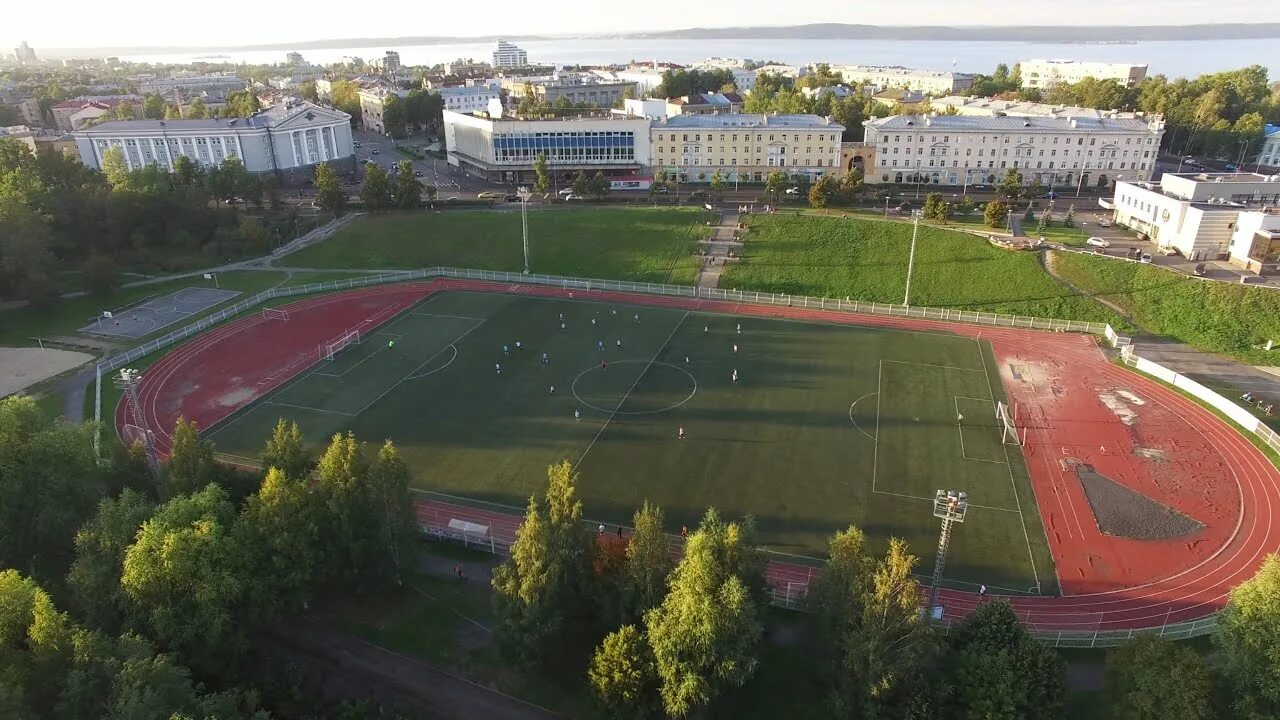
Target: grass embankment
1231,319
867,260
640,244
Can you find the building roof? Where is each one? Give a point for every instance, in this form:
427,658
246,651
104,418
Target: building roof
1271,130
971,123
750,120
996,106
272,117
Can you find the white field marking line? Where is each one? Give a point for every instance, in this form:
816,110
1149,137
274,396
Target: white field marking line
462,501
1013,483
429,596
419,367
442,367
305,407
930,365
960,431
634,383
855,422
368,357
455,317
929,499
875,451
955,585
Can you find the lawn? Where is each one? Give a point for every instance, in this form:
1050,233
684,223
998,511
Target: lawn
641,244
1231,319
865,259
828,424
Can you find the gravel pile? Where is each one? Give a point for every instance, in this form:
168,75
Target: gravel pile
1122,512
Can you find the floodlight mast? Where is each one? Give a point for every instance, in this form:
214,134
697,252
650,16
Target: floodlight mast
128,381
950,506
523,193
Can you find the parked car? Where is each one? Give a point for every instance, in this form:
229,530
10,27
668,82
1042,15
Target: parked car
375,151
572,196
1199,270
660,190
1167,250
793,191
565,191
357,144
1051,195
1144,258
511,198
1098,242
1230,167
364,161
418,174
489,195
1104,222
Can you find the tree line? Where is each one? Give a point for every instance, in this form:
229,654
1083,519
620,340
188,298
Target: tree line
667,633
128,596
57,215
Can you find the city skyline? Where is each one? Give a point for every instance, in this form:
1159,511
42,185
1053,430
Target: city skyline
149,23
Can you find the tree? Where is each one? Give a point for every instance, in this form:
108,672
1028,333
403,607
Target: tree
36,639
580,184
183,576
995,213
114,168
622,675
282,523
705,632
1069,221
394,115
1247,638
648,562
933,206
185,172
196,110
341,482
850,185
285,450
542,179
329,193
94,578
541,586
307,91
395,522
823,192
153,107
1010,186
774,184
966,207
598,186
271,189
1152,678
406,191
1029,215
994,669
191,465
171,112
101,275
125,111
376,191
1043,225
717,184
241,104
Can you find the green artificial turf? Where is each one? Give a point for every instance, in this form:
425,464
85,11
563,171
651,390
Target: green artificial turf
829,425
864,259
640,244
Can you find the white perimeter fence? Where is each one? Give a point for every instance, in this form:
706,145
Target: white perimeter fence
791,595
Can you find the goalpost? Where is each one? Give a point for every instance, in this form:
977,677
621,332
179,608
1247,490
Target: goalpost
1008,430
275,314
329,349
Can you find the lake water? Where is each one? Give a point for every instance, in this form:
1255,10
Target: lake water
1174,58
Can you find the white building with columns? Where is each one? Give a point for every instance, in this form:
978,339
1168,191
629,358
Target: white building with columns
1057,151
287,139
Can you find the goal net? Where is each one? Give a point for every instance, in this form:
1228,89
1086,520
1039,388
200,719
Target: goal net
275,314
1008,430
329,349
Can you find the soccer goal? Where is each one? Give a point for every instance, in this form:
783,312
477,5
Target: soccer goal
1008,430
329,349
275,314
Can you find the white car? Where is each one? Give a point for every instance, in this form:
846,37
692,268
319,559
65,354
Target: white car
793,191
1145,258
1103,222
565,191
1098,242
1168,250
572,196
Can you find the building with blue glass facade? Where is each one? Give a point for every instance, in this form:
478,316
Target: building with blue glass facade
504,149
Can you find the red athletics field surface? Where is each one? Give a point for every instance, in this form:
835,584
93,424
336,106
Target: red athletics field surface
1077,408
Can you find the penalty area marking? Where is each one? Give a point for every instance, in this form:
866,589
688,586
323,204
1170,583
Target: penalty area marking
855,422
452,357
574,388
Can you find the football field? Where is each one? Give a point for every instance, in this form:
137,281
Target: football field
825,426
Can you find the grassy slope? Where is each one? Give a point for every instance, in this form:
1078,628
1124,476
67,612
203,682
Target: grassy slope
1214,316
619,243
867,260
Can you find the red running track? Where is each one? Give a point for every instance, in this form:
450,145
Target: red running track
1077,408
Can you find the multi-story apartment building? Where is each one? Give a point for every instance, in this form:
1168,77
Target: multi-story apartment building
503,149
1269,154
1044,73
509,56
1199,214
390,61
469,99
930,82
467,66
287,139
960,150
745,147
574,87
223,83
372,103
994,107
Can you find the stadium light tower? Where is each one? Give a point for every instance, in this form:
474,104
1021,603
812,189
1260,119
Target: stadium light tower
949,506
128,381
523,192
911,258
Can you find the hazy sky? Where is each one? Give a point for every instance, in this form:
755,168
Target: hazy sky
81,23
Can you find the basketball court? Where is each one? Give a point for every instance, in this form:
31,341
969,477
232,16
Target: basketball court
157,313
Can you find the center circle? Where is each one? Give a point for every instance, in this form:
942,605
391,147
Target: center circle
592,385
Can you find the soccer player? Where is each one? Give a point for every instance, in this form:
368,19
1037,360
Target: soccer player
686,359
593,321
600,344
562,317
553,390
506,350
637,317
619,344
604,365
562,326
615,312
706,329
498,367
577,415
546,359
739,328
391,343
735,376
517,345
680,433
735,349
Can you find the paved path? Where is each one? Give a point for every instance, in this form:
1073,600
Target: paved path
722,240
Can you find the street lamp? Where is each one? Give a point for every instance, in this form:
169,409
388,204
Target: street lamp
949,506
911,258
523,193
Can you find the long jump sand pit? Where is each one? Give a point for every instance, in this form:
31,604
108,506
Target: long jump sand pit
22,367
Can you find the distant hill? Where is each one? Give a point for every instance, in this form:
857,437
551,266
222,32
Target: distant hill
820,31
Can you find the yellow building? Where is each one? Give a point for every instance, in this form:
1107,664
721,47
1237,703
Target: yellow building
745,147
